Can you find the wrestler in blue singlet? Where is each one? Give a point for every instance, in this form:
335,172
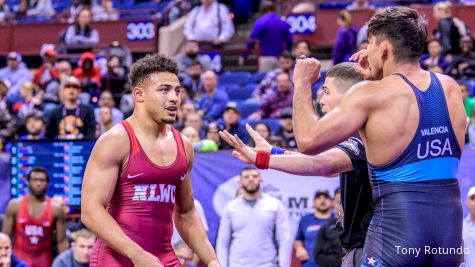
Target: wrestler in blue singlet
417,196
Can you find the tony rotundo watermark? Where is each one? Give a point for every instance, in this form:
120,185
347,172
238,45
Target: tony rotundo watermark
428,250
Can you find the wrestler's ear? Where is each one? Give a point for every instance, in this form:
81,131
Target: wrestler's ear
138,93
384,47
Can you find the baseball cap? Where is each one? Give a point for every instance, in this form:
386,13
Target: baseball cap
471,192
286,113
14,55
233,105
322,192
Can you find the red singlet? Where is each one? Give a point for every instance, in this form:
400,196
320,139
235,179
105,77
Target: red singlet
143,203
33,235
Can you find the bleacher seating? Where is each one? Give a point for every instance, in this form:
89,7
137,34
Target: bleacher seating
258,76
241,92
248,107
470,86
235,77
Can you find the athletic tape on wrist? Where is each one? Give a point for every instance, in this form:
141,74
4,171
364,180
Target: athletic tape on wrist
262,159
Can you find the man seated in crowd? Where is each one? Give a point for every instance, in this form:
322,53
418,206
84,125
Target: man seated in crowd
434,56
286,131
213,102
273,104
183,253
107,100
192,81
463,65
16,73
7,257
233,124
192,54
35,126
268,84
80,252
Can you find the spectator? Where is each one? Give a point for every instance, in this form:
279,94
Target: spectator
122,51
469,228
80,252
88,73
71,120
5,13
359,4
468,102
264,130
7,257
273,104
183,253
35,126
42,8
31,99
245,239
16,73
7,121
4,102
345,44
199,145
209,22
233,124
328,251
104,11
106,100
447,31
116,77
286,131
434,56
309,226
104,121
192,51
70,14
195,120
273,36
64,69
192,81
213,102
301,48
471,129
81,33
186,108
212,133
46,76
463,65
269,83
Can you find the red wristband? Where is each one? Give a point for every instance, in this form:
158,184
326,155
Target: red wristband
262,159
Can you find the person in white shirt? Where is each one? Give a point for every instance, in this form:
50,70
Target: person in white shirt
254,228
209,22
469,229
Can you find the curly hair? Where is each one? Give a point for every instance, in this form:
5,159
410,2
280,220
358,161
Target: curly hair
144,67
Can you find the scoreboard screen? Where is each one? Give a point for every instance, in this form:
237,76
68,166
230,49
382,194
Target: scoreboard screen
65,161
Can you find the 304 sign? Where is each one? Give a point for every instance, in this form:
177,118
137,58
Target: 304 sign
140,31
302,23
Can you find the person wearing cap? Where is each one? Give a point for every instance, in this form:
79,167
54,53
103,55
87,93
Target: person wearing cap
233,124
309,226
281,98
469,228
47,76
286,131
35,126
213,102
16,73
71,120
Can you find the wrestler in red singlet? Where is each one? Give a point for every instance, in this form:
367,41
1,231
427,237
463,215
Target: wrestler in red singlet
32,220
33,235
143,203
137,180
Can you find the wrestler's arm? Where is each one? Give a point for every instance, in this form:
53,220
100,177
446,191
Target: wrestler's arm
324,164
187,220
10,216
314,135
60,219
99,182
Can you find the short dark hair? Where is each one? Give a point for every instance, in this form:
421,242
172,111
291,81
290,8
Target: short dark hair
286,54
336,191
195,63
247,169
38,169
144,67
37,115
302,41
404,28
267,6
345,76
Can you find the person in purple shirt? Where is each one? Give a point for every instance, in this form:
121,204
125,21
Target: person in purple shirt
273,36
273,104
213,102
345,44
